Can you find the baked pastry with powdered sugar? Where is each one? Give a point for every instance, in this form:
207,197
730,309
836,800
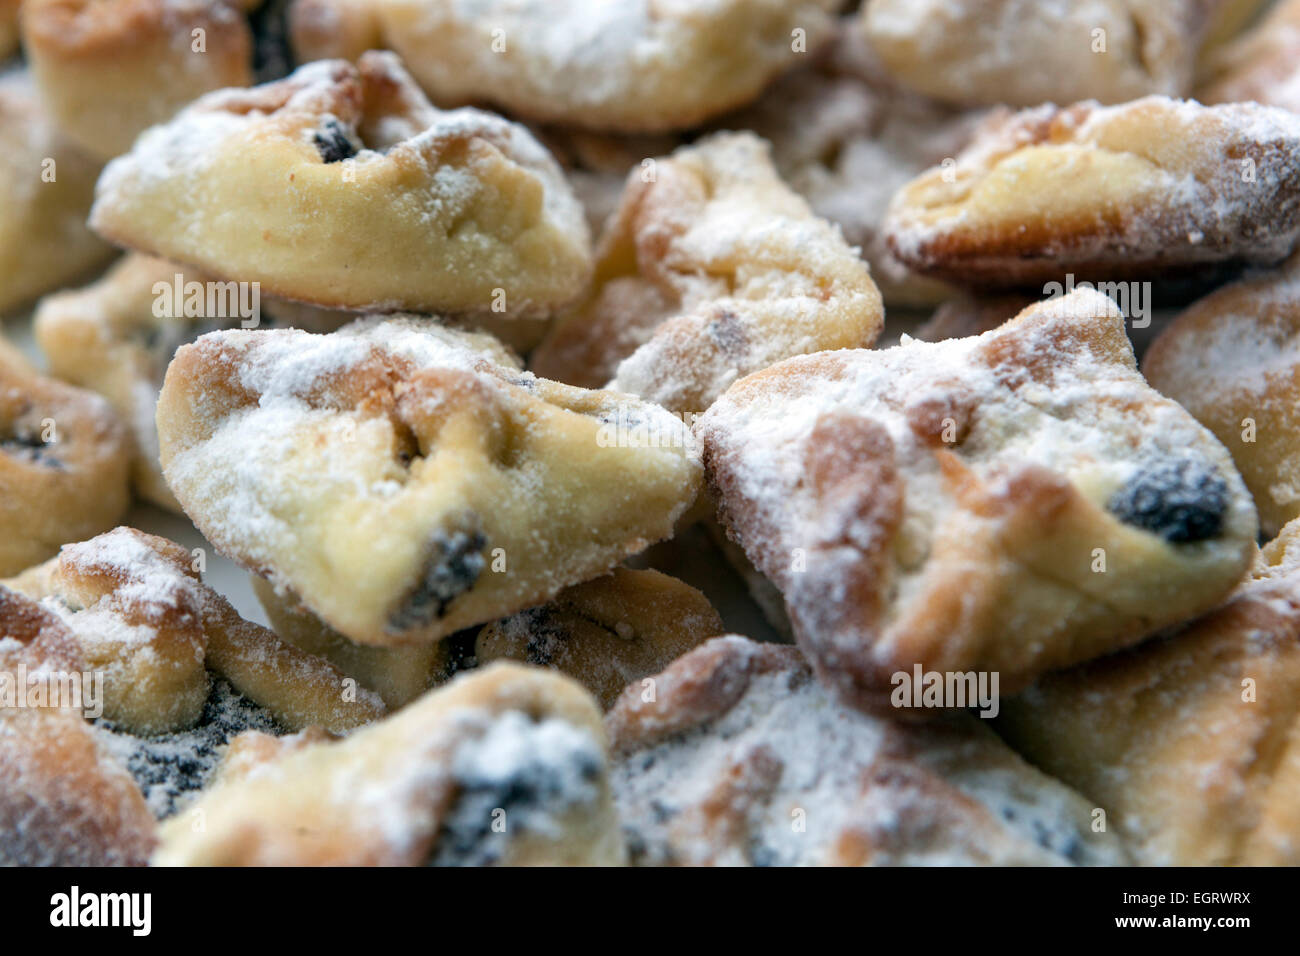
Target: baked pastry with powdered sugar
739,757
1014,502
406,480
342,186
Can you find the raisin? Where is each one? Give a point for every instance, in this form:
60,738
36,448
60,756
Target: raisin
454,564
31,448
1179,500
333,143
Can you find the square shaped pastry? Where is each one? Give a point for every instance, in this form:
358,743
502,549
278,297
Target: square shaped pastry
1013,502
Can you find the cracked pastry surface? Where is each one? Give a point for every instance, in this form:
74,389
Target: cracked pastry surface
343,187
506,765
64,801
708,271
1192,742
741,758
405,480
608,632
1150,188
141,616
638,66
1232,359
64,463
1026,52
946,504
1263,65
109,69
117,335
46,186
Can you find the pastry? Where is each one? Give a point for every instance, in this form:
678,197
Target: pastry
607,632
1232,359
1262,66
1191,743
1026,52
334,29
712,268
64,464
117,336
1151,188
8,28
966,315
46,187
503,766
397,674
142,617
1006,504
740,758
109,69
846,140
630,66
342,186
404,480
63,800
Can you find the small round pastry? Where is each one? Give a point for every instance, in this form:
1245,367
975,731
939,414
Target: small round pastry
343,187
1010,503
64,464
406,480
1152,188
1262,66
712,268
1190,743
117,336
635,66
1233,360
503,766
63,800
333,29
608,632
141,615
46,186
110,69
740,758
1026,52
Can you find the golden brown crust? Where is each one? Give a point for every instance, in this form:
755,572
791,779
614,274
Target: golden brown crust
608,632
1190,743
979,505
46,188
64,464
334,29
1232,359
397,674
109,70
1262,66
62,801
394,204
1150,188
491,489
140,614
507,743
712,268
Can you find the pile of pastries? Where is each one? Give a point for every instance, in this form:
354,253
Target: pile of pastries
461,326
